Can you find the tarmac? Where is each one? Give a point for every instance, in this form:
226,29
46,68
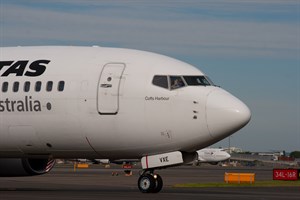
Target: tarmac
97,182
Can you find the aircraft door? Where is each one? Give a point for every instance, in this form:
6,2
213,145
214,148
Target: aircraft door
108,88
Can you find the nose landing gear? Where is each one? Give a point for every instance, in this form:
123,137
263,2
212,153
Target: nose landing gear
150,183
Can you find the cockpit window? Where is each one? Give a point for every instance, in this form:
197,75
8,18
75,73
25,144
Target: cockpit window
161,81
197,80
210,81
176,82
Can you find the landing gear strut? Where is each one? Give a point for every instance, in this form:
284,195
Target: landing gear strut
150,182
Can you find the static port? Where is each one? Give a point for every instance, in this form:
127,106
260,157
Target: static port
49,145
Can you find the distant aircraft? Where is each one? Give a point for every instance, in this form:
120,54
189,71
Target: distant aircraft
212,155
94,102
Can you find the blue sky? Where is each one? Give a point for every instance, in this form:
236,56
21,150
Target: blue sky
250,48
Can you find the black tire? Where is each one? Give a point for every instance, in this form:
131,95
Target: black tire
146,183
158,184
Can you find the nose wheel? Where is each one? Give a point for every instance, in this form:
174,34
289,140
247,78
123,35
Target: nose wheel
150,183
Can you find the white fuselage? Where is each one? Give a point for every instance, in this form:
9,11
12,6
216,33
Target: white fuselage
109,107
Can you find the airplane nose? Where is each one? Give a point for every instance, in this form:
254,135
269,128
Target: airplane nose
225,114
227,156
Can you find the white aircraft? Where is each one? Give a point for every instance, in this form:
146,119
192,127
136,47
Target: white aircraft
94,102
212,155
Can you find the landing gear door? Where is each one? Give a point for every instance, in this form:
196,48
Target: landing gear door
108,88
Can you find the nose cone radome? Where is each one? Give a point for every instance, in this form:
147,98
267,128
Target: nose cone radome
225,114
227,156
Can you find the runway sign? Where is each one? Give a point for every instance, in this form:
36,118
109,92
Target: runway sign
285,174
